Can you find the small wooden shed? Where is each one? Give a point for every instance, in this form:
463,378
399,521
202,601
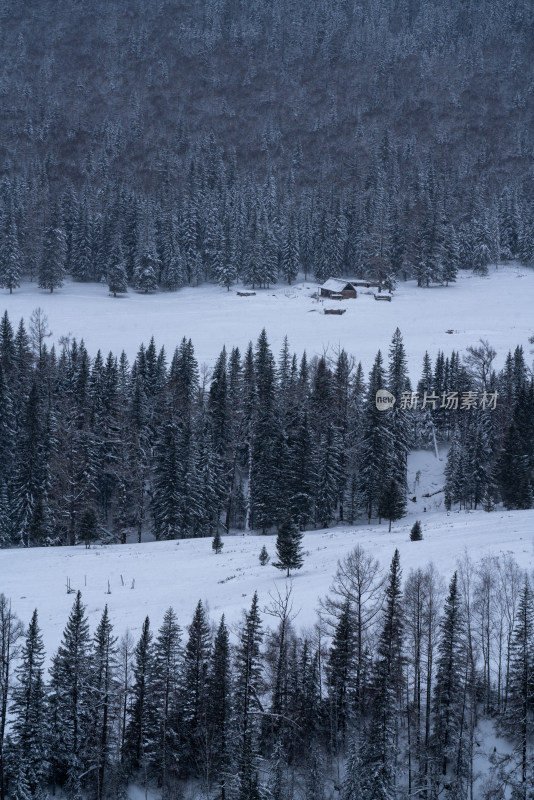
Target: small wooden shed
338,289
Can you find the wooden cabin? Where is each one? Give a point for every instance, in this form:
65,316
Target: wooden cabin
338,289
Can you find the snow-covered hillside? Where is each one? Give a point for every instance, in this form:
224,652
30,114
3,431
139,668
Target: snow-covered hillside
497,307
180,573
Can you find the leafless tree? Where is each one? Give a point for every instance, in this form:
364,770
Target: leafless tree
479,362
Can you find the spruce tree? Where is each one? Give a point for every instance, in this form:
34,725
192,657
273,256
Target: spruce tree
30,470
340,673
80,255
167,494
247,693
449,686
217,543
163,726
88,531
289,547
520,704
137,733
116,273
70,700
416,533
52,267
376,443
219,711
264,556
146,270
31,725
379,750
391,502
10,257
195,700
328,477
7,430
103,680
290,252
263,428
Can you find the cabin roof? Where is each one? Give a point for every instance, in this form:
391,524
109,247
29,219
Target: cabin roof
337,285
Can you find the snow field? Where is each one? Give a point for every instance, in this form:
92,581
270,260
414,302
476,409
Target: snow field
497,307
179,573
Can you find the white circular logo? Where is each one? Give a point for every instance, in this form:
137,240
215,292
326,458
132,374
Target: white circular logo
384,400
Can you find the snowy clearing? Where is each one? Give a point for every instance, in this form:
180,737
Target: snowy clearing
497,307
180,573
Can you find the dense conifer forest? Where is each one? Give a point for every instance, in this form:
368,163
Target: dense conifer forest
162,144
93,448
156,144
385,697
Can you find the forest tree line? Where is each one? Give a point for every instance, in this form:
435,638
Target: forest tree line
96,448
170,144
383,698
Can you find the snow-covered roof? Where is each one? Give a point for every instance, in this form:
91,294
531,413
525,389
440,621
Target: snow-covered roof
336,284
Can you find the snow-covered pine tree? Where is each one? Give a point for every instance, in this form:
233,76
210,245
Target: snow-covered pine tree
328,477
10,256
219,712
376,443
145,276
7,430
379,749
29,476
352,788
138,728
167,490
416,533
515,468
195,690
246,693
391,502
449,690
401,424
100,746
290,252
520,702
289,547
450,255
163,727
29,713
70,700
116,272
217,543
302,474
340,675
81,256
7,344
88,530
52,266
263,429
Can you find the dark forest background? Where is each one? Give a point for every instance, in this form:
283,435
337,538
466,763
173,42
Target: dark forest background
172,143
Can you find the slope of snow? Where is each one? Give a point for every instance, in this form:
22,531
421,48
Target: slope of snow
180,573
497,307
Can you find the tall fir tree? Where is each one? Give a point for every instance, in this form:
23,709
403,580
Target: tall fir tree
69,699
52,267
289,547
29,711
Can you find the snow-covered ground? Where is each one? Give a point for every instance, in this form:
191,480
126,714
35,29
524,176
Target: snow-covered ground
180,573
497,307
